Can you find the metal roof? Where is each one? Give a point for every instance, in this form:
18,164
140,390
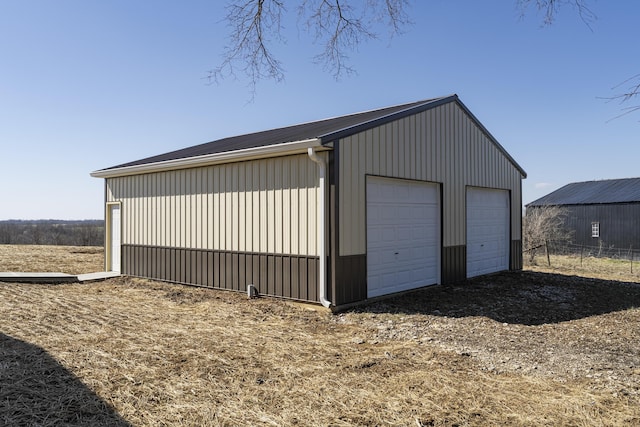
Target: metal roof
625,190
326,131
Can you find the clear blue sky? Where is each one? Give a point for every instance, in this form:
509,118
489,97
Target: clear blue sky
88,84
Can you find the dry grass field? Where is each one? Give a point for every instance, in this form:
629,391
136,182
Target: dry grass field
598,268
528,348
56,259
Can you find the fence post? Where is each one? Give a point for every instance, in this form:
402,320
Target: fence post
546,247
631,257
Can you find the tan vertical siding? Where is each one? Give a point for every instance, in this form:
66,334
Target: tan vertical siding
228,220
264,209
267,205
277,203
293,207
439,145
286,206
255,213
302,213
271,212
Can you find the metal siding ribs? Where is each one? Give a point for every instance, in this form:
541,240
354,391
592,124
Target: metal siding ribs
286,276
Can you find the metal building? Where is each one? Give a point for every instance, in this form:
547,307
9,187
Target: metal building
335,211
599,213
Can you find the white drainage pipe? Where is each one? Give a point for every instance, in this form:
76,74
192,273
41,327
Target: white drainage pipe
322,249
252,291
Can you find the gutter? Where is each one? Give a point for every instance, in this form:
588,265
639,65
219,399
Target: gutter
322,247
274,150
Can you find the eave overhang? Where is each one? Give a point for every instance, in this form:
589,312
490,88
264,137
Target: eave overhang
275,150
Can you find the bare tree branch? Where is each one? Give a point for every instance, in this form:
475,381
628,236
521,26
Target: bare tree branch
631,91
542,224
550,9
339,26
253,24
396,15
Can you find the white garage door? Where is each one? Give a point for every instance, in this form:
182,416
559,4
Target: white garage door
487,231
403,235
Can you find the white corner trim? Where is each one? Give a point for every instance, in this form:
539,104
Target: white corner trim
274,150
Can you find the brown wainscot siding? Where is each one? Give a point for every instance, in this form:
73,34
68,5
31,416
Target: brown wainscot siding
286,276
349,279
454,264
516,255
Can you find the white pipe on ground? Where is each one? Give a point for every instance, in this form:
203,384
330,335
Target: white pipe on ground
252,291
322,249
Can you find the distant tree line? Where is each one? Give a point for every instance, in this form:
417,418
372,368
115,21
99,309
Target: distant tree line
52,232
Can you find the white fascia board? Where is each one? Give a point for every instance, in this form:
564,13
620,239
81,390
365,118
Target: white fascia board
275,150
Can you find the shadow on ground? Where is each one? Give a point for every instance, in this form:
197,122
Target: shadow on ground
528,298
35,390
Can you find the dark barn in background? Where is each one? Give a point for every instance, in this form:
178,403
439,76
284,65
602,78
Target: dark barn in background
599,213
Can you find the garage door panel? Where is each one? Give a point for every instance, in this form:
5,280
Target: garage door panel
409,233
488,224
403,235
374,283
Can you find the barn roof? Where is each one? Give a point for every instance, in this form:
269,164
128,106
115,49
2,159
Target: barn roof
325,131
625,190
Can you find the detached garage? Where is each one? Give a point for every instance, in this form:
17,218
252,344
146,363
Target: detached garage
335,211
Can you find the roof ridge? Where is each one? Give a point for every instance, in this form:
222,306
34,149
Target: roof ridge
409,105
604,180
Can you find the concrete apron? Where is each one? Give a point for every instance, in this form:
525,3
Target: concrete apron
18,277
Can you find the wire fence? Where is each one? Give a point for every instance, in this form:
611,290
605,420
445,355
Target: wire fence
580,255
600,251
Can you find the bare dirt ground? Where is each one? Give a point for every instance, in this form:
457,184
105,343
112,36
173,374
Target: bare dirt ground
527,348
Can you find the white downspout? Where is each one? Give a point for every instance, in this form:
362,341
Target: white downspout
322,248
